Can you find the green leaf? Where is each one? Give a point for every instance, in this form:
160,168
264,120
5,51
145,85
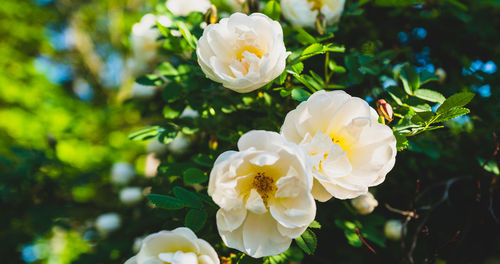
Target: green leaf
167,69
165,201
300,94
282,78
429,95
183,28
401,142
203,160
149,80
456,100
194,175
491,166
145,133
170,113
399,3
298,67
304,37
422,117
273,10
307,242
426,77
315,224
195,219
168,134
312,50
455,112
172,92
165,31
352,238
410,79
188,198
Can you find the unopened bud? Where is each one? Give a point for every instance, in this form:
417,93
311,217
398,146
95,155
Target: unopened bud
384,109
364,204
441,73
393,229
211,16
252,5
213,143
320,24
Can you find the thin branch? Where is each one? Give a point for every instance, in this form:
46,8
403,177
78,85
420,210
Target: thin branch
364,242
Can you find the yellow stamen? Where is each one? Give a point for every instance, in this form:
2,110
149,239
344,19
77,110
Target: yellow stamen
252,49
317,4
264,186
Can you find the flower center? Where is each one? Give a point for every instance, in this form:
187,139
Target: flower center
317,4
251,49
264,186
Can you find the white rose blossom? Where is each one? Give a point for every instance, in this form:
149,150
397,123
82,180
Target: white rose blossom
365,203
349,149
185,7
303,13
179,246
242,52
264,194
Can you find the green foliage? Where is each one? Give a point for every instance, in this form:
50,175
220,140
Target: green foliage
307,242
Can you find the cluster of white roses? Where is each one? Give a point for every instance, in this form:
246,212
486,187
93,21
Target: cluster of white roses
330,146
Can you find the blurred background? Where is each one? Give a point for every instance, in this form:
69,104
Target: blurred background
72,184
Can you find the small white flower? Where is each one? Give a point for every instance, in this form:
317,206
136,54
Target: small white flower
393,229
303,13
242,52
264,194
143,40
189,113
441,73
131,195
122,173
179,246
185,7
179,145
349,149
107,223
365,203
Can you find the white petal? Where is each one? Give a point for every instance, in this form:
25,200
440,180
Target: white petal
230,220
261,237
255,204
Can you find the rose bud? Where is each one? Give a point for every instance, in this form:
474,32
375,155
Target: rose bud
393,229
211,15
364,204
384,109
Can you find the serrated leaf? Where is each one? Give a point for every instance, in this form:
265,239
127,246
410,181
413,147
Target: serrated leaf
312,50
298,67
307,242
314,224
282,78
195,219
194,175
300,94
422,117
456,100
145,133
188,198
410,79
273,10
429,95
453,113
165,201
